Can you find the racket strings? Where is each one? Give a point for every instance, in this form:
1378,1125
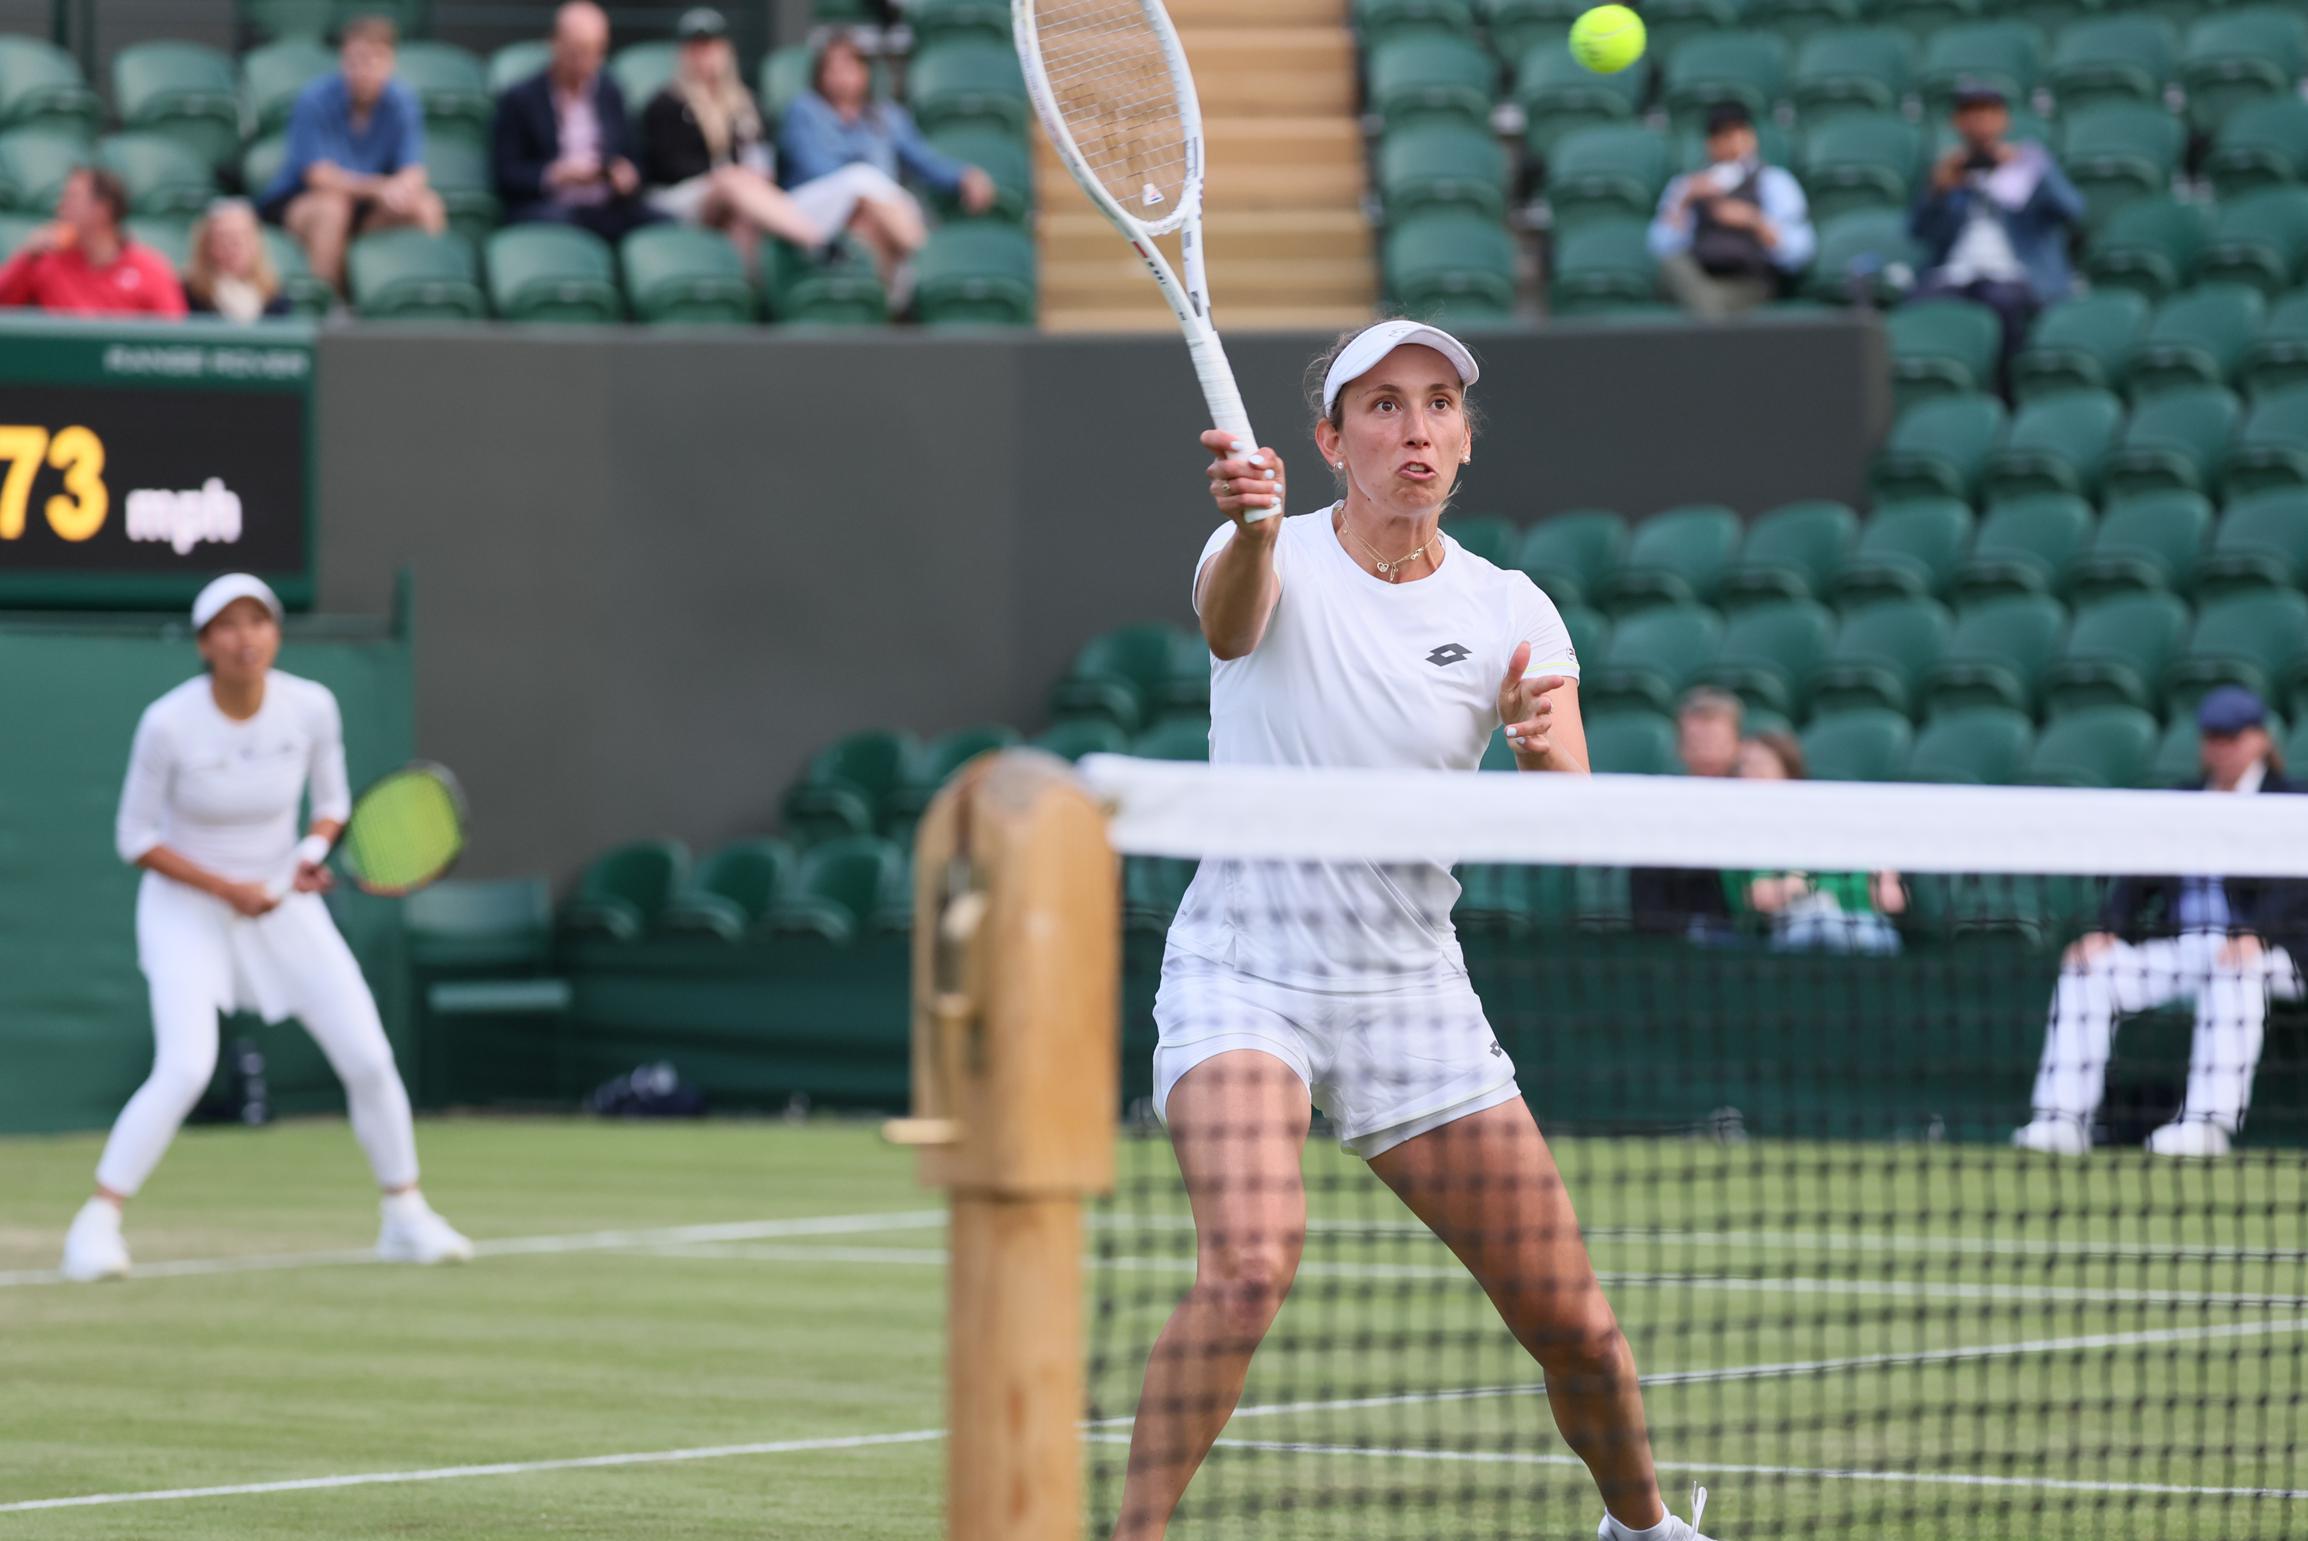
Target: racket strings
1111,82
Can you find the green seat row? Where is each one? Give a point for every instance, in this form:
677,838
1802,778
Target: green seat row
835,891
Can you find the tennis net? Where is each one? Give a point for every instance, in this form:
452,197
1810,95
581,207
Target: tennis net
1779,1038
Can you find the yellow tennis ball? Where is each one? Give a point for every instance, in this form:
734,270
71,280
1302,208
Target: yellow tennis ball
1607,39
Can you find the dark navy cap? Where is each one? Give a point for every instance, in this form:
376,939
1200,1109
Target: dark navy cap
2230,709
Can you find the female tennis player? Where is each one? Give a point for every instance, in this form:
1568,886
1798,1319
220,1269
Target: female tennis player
209,812
1363,635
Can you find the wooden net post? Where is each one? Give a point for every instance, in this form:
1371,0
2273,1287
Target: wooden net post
1016,1044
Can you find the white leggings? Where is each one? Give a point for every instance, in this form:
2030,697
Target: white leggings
201,958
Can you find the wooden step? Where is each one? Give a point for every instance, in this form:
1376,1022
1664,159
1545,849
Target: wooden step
1300,139
1236,186
1236,319
1266,71
1257,234
1191,15
1317,281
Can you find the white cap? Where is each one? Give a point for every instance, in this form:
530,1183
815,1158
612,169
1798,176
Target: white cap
1361,356
210,602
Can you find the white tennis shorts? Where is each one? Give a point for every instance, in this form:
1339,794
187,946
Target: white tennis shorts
1384,1065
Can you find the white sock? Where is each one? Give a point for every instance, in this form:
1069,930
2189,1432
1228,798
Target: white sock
1659,1532
406,1205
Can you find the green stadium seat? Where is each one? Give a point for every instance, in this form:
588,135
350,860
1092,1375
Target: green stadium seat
272,76
733,890
1769,653
458,169
1971,746
407,275
1450,262
1002,156
16,229
2057,444
1590,629
1997,654
2279,356
1791,552
1174,738
1626,743
307,295
1574,555
2271,451
453,85
41,87
1797,20
1152,889
1135,675
1485,535
2113,58
2148,542
1603,262
184,91
847,786
968,79
784,77
261,162
1558,94
1907,549
681,274
2261,542
1377,22
1443,165
1865,256
2004,54
1674,24
2257,639
163,173
168,234
838,890
2148,246
1923,17
622,892
1677,556
2296,742
2025,544
937,20
1861,161
2199,337
2087,342
976,273
1078,736
1609,169
516,62
1868,69
2176,438
2235,56
936,762
1749,68
552,273
2116,652
1866,743
1518,26
801,287
1882,655
2116,152
642,70
501,926
2263,144
2260,239
1653,657
1942,347
845,13
2099,746
1940,448
1428,74
34,164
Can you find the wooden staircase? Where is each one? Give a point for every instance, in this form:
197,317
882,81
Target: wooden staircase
1283,203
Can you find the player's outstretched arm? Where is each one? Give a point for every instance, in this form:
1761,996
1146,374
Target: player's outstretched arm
1239,586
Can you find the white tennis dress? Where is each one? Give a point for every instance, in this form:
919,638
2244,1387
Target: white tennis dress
1351,973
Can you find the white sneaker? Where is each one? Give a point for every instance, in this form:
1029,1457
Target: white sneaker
2200,1137
92,1248
2054,1136
1675,1529
412,1233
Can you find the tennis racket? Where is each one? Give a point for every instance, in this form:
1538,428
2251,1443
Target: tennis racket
405,831
1110,84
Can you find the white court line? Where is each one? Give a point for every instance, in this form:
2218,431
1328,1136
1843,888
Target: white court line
1740,1469
498,1469
526,1246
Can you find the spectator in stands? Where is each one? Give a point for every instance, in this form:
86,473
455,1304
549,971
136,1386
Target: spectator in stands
2226,944
356,154
1692,902
229,273
85,264
1728,237
837,123
706,155
1812,911
1994,218
562,145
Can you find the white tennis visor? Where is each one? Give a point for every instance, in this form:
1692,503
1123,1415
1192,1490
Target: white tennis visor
210,602
1361,356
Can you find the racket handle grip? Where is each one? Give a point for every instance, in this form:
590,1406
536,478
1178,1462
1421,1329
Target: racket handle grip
1224,399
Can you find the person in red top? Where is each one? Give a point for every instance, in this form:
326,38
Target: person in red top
84,264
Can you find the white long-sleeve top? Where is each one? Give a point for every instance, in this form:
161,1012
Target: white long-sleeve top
225,794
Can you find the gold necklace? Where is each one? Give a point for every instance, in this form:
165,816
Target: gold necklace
1387,569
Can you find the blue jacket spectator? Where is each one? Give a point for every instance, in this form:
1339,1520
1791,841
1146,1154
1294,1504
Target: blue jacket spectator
1727,236
356,154
561,144
816,140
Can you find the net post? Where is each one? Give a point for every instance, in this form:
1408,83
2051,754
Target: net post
1016,1046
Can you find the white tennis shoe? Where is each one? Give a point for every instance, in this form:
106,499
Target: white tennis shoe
2199,1137
1674,1529
412,1233
2054,1136
93,1248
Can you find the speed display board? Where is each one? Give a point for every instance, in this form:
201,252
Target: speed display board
138,462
